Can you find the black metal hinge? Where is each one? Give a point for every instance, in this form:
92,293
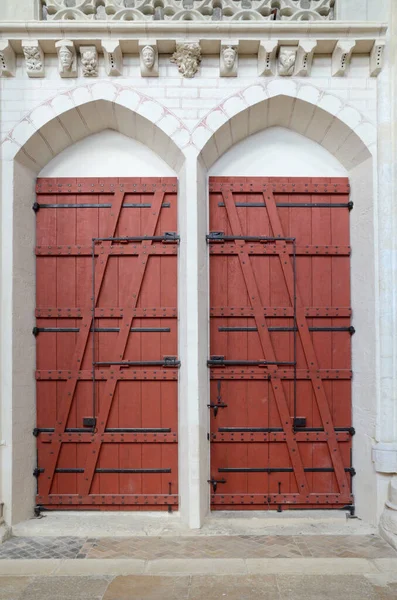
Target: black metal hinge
215,236
36,432
36,207
214,483
350,205
171,361
171,236
37,471
35,331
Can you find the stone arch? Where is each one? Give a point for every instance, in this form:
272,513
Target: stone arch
351,138
75,114
31,144
321,116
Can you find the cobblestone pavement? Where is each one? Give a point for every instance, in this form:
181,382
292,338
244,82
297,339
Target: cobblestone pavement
199,587
151,548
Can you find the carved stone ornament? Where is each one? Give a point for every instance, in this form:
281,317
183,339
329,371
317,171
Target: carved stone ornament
187,57
89,61
286,60
67,58
267,57
229,59
113,58
7,59
34,58
189,10
304,57
341,57
148,58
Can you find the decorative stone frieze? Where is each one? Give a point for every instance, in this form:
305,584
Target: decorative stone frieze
113,58
67,58
304,57
7,59
34,58
149,58
228,59
89,61
341,57
267,57
376,58
192,10
286,60
188,58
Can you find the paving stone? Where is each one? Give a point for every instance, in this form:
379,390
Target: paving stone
222,547
388,592
62,588
42,547
248,587
11,588
325,587
148,588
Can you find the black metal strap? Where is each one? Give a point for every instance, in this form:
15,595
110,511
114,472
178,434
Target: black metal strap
219,236
351,330
36,206
168,361
348,205
219,361
37,330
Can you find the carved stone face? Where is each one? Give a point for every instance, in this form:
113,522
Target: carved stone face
148,57
65,58
286,61
229,58
89,61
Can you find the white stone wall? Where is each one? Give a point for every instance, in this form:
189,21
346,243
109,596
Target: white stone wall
188,99
191,124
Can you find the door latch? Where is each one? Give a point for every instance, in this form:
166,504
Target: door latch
219,403
214,483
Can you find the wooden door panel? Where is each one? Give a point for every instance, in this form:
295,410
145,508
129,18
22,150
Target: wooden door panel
127,457
280,343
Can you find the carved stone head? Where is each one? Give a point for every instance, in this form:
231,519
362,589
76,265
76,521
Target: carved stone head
229,58
148,57
188,57
65,58
286,60
89,62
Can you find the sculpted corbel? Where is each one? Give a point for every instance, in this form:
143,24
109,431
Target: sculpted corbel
286,60
7,59
188,58
149,58
229,59
341,57
267,57
304,57
89,61
67,58
34,58
113,58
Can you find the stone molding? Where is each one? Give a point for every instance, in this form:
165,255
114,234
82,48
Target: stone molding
191,10
384,456
189,53
388,520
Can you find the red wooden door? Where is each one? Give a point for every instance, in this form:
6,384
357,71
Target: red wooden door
107,367
280,343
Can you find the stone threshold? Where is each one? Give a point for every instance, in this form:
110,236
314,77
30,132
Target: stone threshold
88,524
183,567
